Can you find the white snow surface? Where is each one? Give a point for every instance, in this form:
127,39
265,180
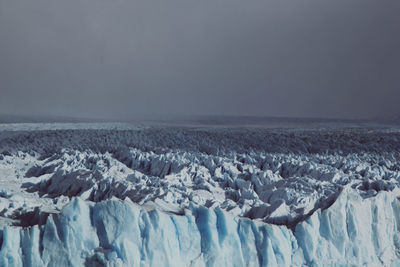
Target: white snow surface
124,195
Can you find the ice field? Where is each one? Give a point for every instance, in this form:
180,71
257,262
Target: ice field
118,194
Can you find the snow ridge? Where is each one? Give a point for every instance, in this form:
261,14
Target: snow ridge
277,188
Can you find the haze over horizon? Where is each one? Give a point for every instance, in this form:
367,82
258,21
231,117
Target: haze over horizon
117,59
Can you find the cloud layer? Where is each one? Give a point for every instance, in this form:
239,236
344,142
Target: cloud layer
120,58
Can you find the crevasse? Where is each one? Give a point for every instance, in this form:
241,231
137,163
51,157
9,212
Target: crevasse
352,231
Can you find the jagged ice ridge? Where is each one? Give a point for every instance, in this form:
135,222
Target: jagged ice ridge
199,197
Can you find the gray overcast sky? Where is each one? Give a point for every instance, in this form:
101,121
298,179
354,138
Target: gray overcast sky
121,58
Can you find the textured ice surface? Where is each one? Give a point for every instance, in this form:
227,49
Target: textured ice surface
192,196
353,231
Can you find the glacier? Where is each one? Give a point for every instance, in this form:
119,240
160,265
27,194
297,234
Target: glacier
129,195
353,231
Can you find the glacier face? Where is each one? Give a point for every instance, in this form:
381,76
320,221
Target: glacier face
353,231
132,196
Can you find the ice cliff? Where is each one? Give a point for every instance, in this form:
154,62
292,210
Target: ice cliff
352,231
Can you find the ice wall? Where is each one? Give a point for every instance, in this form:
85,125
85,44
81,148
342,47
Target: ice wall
120,233
353,231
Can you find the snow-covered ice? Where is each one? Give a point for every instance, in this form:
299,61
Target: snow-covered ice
123,195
